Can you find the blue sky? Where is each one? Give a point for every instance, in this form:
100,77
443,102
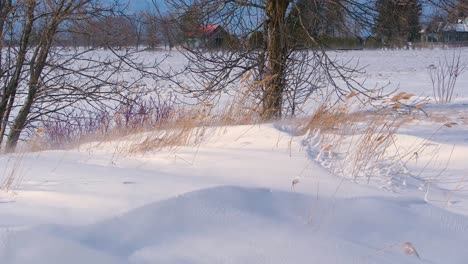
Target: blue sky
139,4
134,5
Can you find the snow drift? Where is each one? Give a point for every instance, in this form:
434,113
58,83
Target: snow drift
252,225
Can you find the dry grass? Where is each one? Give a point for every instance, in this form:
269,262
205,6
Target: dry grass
189,128
11,176
371,148
361,145
144,126
185,126
406,247
328,118
360,150
444,118
193,126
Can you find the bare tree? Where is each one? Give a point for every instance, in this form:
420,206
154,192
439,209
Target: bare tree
43,79
398,22
167,31
151,30
273,66
13,66
138,23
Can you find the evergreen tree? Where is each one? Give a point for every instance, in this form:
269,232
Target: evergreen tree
413,16
398,21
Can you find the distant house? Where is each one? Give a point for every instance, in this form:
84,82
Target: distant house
433,32
445,32
207,36
456,32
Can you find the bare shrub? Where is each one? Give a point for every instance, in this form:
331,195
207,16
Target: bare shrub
444,77
130,116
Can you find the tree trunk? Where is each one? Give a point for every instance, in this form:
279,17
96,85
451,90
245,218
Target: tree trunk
9,92
37,65
6,117
20,120
38,62
277,49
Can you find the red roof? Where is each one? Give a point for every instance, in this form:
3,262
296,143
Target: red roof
208,29
203,30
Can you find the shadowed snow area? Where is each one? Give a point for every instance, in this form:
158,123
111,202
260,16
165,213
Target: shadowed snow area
252,225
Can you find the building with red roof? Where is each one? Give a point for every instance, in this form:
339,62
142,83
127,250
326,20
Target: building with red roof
207,36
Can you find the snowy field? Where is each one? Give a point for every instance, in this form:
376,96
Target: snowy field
407,70
249,194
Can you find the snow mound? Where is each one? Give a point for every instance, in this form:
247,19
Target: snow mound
244,225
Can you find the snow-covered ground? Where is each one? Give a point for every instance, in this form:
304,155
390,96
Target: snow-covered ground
407,70
246,194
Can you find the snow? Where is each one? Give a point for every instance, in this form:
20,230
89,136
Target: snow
245,194
250,225
407,70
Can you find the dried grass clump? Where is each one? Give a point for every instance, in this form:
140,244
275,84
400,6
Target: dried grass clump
407,248
363,146
11,176
188,127
357,150
192,126
371,153
359,145
328,118
142,125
